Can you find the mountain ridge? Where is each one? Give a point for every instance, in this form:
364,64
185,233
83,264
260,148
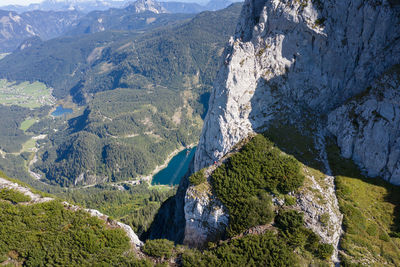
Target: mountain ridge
290,64
15,28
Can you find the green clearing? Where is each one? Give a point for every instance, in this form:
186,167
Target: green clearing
29,145
29,95
27,123
371,222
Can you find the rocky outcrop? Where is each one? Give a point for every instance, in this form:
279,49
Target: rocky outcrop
141,6
319,203
297,58
368,128
295,62
206,217
35,198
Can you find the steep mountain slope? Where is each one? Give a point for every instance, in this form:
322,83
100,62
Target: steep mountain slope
182,7
141,15
15,28
288,68
38,229
367,127
125,79
60,62
126,19
304,64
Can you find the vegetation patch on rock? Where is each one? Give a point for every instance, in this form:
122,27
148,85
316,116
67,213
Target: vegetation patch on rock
246,179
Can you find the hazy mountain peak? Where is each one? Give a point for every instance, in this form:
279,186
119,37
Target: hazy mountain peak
141,6
64,5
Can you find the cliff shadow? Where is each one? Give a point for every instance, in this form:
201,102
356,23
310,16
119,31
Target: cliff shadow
371,206
292,127
169,222
375,197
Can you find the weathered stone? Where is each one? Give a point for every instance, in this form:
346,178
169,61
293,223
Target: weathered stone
297,60
368,128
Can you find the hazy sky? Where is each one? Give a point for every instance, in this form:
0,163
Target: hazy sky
18,2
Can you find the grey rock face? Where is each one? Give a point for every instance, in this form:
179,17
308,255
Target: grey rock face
297,60
368,128
205,217
288,57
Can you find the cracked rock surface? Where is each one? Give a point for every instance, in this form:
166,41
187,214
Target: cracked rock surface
296,60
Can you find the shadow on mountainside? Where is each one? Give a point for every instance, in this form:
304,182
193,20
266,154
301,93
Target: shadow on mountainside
169,222
371,206
275,104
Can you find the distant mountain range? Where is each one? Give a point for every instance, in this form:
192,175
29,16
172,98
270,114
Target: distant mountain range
69,19
86,6
16,28
151,76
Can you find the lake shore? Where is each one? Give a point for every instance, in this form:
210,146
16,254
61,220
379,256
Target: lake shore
158,168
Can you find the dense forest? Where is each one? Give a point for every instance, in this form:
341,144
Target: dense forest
135,205
142,103
50,233
275,245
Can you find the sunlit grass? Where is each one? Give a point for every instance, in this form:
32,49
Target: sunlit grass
371,216
30,95
27,123
29,145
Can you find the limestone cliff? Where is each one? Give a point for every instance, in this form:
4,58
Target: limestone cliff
297,61
368,128
296,57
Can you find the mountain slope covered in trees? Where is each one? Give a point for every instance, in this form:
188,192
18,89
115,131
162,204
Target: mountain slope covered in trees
144,95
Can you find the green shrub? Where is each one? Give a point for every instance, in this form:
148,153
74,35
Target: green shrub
160,248
296,237
3,258
312,241
247,178
47,234
290,200
13,195
372,230
288,220
325,251
198,177
252,250
324,219
292,230
384,237
256,210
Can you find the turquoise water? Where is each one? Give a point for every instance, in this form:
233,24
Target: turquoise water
176,169
60,110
